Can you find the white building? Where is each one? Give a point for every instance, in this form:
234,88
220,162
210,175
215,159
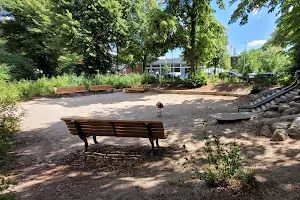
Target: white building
180,67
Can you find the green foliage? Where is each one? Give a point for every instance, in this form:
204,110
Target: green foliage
224,164
9,124
287,32
8,196
26,89
196,79
164,81
200,34
14,65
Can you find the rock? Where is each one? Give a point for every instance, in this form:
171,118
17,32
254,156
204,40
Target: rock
296,98
271,114
279,100
265,131
279,135
274,108
269,121
283,107
294,104
291,111
289,117
280,125
226,117
294,130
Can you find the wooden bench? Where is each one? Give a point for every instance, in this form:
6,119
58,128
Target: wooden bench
69,90
84,128
96,88
135,89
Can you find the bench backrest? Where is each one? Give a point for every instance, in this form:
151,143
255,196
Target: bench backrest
100,87
67,90
120,128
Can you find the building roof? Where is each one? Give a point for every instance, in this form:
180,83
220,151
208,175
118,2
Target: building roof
169,61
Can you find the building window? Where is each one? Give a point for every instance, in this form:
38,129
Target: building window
177,69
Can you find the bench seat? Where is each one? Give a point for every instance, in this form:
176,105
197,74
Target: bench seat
96,88
69,90
83,127
135,89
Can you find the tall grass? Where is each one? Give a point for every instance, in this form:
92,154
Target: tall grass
27,89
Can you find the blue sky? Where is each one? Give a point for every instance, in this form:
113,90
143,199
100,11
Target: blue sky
258,29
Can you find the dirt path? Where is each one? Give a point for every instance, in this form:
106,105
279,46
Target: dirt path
51,165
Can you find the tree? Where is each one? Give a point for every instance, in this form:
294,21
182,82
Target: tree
197,21
151,33
287,33
29,32
99,26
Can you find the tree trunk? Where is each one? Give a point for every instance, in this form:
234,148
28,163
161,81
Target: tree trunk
193,37
144,62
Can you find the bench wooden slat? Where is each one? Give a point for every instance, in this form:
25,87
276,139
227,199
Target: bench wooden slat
82,120
117,124
69,90
136,89
121,128
96,88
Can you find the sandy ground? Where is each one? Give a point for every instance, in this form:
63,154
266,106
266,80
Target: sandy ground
50,163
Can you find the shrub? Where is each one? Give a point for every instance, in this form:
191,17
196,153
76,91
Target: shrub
224,164
9,124
197,79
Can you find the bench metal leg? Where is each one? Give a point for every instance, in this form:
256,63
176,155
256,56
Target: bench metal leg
157,143
152,144
95,140
85,142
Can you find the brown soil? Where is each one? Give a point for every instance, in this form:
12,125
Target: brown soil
239,88
50,163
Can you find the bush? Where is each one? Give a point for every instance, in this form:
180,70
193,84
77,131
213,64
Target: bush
9,124
27,89
197,79
224,164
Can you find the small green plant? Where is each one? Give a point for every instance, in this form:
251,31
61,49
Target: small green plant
8,196
224,164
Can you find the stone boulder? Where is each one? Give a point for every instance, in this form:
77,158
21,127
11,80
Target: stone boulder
294,104
269,121
271,114
294,130
274,108
283,107
296,98
279,135
291,111
265,131
289,117
280,125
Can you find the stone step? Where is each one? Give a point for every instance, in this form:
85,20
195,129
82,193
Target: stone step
268,105
278,100
258,109
264,108
294,92
284,98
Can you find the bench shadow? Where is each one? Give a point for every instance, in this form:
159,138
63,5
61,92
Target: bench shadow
51,165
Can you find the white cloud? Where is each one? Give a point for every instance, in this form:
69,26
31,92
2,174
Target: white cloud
162,57
255,12
255,43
